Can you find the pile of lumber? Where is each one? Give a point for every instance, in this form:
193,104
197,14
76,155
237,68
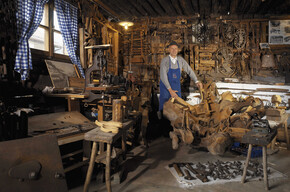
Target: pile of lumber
109,126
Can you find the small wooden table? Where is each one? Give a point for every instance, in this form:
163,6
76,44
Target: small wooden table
98,136
254,138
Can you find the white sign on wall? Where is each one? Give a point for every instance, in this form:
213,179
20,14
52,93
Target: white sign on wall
279,32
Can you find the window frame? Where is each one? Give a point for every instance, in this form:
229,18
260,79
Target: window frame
50,53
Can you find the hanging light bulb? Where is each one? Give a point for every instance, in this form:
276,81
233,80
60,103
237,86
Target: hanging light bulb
126,24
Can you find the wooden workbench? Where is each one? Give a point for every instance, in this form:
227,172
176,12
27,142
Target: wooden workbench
73,99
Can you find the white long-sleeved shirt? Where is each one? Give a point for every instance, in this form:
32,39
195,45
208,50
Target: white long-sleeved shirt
164,67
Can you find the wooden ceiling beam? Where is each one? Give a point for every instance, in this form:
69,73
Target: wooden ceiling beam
234,6
195,5
148,8
215,7
205,7
246,7
168,7
138,7
280,7
117,3
254,6
117,8
128,7
160,11
177,7
189,7
224,6
107,8
186,7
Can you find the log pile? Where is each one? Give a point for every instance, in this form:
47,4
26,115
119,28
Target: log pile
216,120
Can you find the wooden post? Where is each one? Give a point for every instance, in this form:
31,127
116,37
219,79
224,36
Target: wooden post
100,112
118,110
116,52
82,49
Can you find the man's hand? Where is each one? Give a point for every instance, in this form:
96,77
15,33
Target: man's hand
173,93
199,85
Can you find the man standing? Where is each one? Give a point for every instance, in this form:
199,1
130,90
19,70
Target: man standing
170,73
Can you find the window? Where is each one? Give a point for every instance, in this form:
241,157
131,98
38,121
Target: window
48,37
40,39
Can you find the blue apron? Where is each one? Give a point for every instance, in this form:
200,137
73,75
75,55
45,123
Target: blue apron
173,76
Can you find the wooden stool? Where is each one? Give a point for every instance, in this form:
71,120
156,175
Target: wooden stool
252,138
98,136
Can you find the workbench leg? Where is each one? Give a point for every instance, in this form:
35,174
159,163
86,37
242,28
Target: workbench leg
265,166
73,105
286,134
247,163
273,143
91,167
124,148
108,168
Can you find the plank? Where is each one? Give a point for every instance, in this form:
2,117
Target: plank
255,4
234,6
117,8
136,5
177,7
195,5
186,6
104,6
157,7
148,8
168,7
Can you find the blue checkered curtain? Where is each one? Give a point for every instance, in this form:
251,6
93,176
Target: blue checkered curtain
67,20
29,15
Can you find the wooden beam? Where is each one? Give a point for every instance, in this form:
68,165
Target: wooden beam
160,11
254,6
118,9
189,7
168,7
195,5
107,8
234,6
280,7
205,7
148,8
215,6
265,6
177,7
109,26
138,7
116,53
122,5
129,7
